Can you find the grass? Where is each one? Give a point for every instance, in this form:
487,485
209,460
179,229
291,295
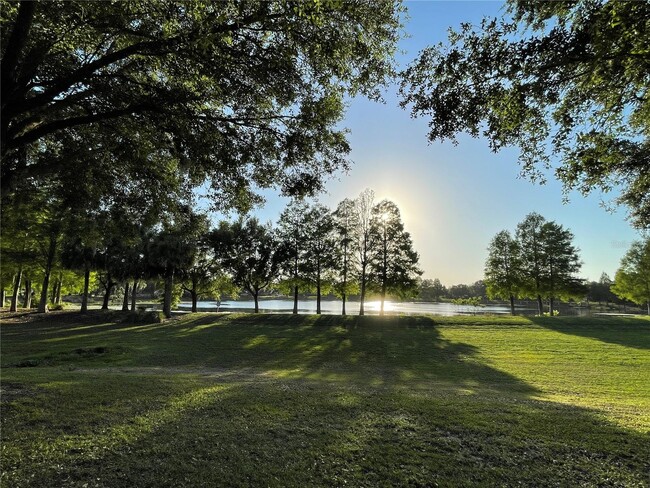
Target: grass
278,400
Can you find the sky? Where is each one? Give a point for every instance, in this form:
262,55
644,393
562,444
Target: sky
455,198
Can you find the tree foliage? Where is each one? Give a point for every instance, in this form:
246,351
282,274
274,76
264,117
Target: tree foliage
240,93
503,270
632,280
539,262
248,251
560,80
393,260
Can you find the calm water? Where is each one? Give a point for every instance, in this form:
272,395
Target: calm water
352,308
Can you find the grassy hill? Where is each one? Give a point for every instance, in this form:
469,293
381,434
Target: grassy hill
278,400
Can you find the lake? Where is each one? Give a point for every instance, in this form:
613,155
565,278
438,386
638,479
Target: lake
333,307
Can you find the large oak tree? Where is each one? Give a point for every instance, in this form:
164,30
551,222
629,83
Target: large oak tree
243,94
566,82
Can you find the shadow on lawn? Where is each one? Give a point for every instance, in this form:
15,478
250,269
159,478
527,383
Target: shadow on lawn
401,406
298,433
626,331
391,351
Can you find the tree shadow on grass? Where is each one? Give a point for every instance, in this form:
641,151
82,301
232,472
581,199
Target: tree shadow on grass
631,332
303,433
355,400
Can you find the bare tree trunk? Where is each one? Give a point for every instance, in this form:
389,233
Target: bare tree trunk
134,291
256,298
295,299
42,306
343,309
58,292
551,306
363,293
27,302
194,300
84,298
540,305
318,310
3,297
125,302
167,302
512,305
14,295
107,294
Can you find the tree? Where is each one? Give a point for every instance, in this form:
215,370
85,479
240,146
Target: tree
205,277
503,274
292,234
600,291
173,250
364,204
565,80
169,253
529,237
79,254
320,248
242,94
248,251
345,224
549,261
632,279
393,261
431,290
561,263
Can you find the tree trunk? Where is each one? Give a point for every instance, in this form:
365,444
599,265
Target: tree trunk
3,297
345,276
58,292
256,299
134,291
84,297
14,295
384,271
194,300
53,295
318,310
648,306
540,305
295,299
125,302
42,306
107,293
551,306
512,305
167,302
363,293
27,302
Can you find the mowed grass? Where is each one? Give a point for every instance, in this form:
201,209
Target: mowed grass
279,400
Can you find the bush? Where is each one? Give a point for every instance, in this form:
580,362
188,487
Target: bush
56,306
143,317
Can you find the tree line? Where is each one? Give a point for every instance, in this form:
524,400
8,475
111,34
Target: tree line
358,248
540,262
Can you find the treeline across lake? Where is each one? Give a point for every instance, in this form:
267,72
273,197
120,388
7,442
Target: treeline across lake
360,247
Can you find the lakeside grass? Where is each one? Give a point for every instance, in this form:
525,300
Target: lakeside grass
281,400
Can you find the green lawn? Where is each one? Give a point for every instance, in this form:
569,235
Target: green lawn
277,400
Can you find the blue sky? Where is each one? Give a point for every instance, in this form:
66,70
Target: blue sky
455,198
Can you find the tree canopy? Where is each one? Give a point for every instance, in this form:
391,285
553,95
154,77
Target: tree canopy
243,94
632,280
563,81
